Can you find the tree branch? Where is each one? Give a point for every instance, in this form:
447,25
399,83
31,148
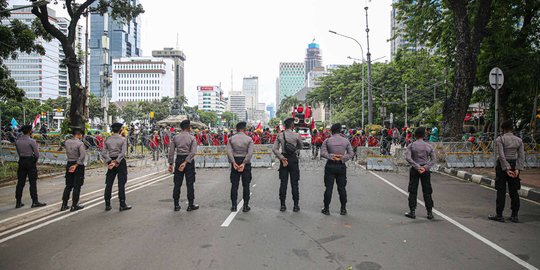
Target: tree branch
43,15
69,7
72,28
479,28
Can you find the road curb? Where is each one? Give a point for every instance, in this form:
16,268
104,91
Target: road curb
526,192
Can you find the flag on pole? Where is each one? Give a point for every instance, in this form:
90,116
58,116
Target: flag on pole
312,124
37,120
259,126
14,123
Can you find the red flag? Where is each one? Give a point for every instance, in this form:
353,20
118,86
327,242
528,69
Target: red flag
312,124
37,120
308,111
259,126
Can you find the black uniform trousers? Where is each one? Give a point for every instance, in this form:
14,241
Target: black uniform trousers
189,173
27,168
74,181
501,180
335,171
425,179
235,181
293,171
121,171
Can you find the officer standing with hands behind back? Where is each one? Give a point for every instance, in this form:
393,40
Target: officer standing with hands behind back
337,150
240,151
185,146
286,148
114,154
28,152
76,153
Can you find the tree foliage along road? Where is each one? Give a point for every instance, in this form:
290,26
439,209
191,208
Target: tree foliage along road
122,10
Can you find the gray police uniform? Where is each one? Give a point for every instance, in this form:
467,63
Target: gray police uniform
116,149
292,168
420,154
28,152
336,170
510,156
240,151
184,146
76,153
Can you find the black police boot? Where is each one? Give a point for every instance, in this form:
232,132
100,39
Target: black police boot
497,217
411,214
192,207
124,206
296,207
283,207
325,211
514,217
108,206
19,204
38,204
429,214
343,211
76,207
233,208
176,205
64,206
246,208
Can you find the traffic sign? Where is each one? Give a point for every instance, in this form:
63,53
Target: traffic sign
496,78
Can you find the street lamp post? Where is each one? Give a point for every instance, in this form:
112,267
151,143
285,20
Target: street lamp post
370,95
362,49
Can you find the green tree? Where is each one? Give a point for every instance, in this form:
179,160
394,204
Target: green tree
131,112
208,117
118,9
287,104
230,118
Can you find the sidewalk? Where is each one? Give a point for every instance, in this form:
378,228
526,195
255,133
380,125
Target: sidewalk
530,179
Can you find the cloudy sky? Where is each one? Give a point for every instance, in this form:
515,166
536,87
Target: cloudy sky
251,37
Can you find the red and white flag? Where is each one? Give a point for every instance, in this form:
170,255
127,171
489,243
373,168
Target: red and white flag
259,126
37,120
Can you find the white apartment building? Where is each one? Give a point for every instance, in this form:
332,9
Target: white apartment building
142,79
250,88
237,104
211,99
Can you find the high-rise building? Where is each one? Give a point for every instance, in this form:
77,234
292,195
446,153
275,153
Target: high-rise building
313,57
211,99
37,75
124,40
142,79
250,89
237,104
398,36
179,58
314,77
291,79
271,109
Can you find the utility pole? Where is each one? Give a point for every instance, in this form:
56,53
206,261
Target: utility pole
86,110
370,94
105,71
406,108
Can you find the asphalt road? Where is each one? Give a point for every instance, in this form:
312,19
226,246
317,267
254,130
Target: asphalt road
374,235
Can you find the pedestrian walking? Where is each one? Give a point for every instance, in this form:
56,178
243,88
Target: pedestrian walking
184,146
114,154
337,150
76,153
286,148
421,157
510,161
28,152
240,151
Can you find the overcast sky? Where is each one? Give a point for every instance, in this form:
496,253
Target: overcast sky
252,37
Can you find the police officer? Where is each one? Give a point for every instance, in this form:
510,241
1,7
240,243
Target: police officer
286,148
240,151
76,153
510,160
421,157
185,147
337,150
28,151
114,154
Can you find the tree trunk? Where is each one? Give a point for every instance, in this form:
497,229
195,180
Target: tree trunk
78,93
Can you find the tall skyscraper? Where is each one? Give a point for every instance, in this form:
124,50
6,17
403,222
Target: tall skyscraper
179,58
400,40
36,74
313,57
124,41
237,103
250,89
292,78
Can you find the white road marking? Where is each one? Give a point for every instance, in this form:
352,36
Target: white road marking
58,203
148,183
465,229
232,215
254,185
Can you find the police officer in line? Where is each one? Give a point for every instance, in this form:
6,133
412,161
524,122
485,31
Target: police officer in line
185,146
114,154
28,152
510,161
240,151
76,153
286,148
421,157
337,150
